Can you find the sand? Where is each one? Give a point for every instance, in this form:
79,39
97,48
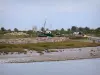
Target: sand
60,55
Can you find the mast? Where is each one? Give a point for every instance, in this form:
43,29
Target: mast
44,25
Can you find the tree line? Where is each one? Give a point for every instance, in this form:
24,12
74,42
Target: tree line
85,30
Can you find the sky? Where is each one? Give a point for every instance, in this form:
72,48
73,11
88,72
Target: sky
25,14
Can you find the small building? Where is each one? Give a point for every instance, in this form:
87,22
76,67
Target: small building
77,33
48,31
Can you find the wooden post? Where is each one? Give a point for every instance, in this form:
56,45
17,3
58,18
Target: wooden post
93,41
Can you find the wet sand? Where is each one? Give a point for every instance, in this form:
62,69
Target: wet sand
60,55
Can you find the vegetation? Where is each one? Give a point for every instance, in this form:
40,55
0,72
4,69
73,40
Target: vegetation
57,32
39,47
42,46
6,50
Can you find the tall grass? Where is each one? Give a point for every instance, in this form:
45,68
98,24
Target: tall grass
46,45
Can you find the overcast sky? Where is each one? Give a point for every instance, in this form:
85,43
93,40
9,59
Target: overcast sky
23,14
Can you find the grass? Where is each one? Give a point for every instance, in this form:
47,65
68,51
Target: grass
14,36
39,47
6,50
51,50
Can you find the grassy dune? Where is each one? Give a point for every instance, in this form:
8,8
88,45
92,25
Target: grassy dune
39,47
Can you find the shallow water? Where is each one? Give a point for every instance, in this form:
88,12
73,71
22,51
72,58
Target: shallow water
70,67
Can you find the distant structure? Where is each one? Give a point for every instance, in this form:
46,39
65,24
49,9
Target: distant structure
34,28
48,31
76,33
45,33
79,34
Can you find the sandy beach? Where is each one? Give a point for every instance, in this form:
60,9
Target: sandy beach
59,55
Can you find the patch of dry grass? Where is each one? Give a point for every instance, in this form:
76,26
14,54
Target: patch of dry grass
39,47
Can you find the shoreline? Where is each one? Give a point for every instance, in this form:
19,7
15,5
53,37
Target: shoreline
32,61
60,55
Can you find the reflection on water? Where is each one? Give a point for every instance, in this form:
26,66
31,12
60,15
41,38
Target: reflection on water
71,67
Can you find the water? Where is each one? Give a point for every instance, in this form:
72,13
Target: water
71,67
